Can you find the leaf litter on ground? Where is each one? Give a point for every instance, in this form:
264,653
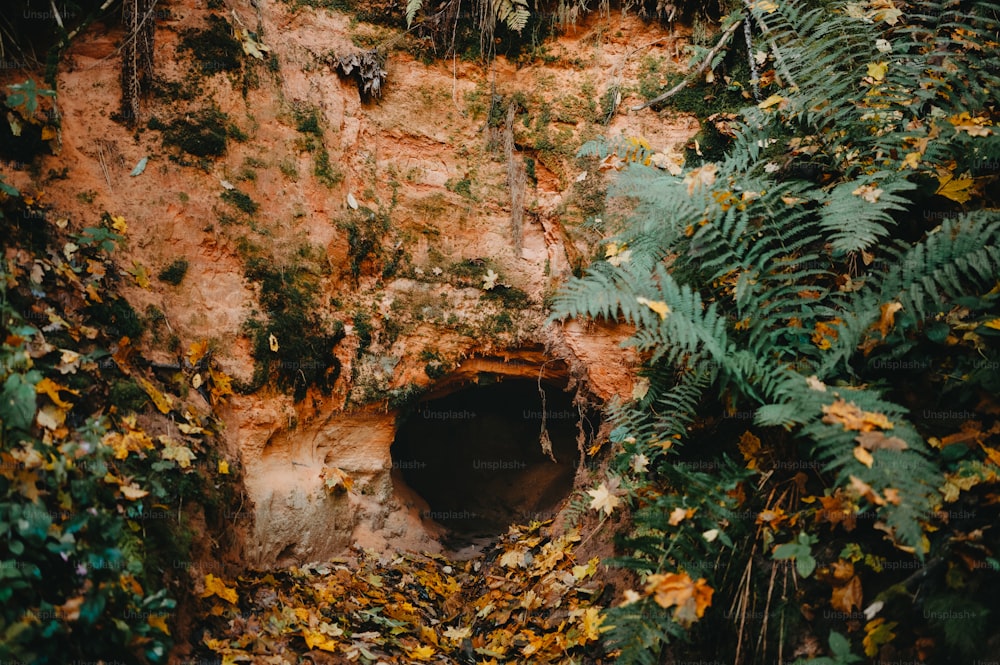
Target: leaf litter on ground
526,599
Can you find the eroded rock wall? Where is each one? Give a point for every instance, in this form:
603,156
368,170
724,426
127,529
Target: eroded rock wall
399,211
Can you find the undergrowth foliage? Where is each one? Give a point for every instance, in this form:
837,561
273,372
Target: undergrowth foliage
93,508
851,230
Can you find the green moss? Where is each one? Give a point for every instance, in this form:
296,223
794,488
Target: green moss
510,297
363,329
240,200
117,317
462,187
215,49
325,172
127,396
307,121
364,228
174,273
302,352
201,133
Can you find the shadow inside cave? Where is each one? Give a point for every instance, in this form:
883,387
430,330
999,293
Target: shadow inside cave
476,458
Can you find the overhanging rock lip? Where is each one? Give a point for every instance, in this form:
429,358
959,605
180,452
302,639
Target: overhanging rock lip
530,362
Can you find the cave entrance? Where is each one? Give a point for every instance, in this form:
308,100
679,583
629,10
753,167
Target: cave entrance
475,455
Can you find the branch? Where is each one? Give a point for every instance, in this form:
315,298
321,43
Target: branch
702,67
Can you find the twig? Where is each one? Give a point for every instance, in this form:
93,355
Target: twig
104,165
690,77
55,13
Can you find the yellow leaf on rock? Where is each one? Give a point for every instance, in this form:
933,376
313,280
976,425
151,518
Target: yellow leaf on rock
118,224
197,351
223,467
273,343
140,274
162,402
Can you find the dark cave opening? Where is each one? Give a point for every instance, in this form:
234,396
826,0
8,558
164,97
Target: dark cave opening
475,455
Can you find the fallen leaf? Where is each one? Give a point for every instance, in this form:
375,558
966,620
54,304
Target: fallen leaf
958,189
879,441
701,176
848,597
49,387
197,351
133,492
163,402
273,342
677,515
657,306
689,598
877,70
603,499
176,451
214,586
888,318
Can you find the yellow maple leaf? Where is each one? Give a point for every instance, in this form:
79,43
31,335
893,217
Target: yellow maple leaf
423,652
118,224
221,385
888,318
993,323
912,160
215,586
657,306
851,417
958,189
223,467
689,598
877,70
197,351
749,446
317,640
603,499
140,274
590,624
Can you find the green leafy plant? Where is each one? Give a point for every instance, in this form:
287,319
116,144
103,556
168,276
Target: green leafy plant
775,281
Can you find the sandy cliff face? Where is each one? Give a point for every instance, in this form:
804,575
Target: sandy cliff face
403,209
